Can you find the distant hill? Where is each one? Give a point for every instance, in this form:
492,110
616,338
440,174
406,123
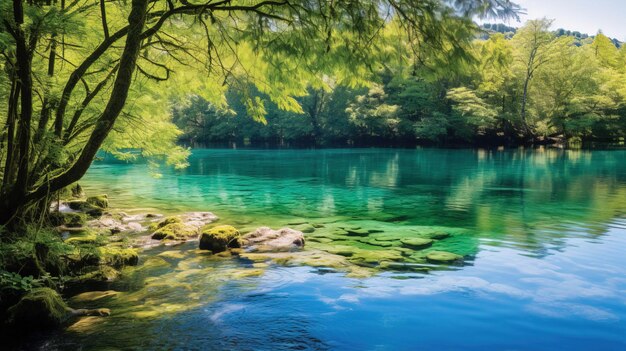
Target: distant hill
509,31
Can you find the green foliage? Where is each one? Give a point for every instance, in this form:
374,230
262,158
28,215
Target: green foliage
13,283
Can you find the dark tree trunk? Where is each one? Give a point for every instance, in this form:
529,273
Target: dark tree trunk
20,197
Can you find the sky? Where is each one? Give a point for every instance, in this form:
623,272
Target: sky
585,16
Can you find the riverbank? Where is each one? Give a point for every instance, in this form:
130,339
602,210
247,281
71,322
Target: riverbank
96,244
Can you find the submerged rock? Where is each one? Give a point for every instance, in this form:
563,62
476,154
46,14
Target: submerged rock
417,243
443,257
220,238
265,239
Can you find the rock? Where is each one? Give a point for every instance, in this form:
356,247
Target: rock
443,257
68,219
95,280
417,243
135,227
118,257
306,228
220,238
82,239
101,201
168,220
201,218
84,206
40,308
265,239
176,231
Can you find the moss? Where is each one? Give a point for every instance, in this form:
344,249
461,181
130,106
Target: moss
74,220
92,296
118,256
219,238
97,279
175,231
168,220
41,307
84,206
101,201
443,257
417,243
84,239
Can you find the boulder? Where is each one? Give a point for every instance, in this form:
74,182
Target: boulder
220,238
176,231
265,239
101,201
118,256
40,308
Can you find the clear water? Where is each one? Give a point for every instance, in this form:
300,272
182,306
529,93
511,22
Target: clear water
543,233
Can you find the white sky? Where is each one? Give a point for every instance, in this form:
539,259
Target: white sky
585,16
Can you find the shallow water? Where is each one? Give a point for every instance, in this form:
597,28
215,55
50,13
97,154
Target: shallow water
542,232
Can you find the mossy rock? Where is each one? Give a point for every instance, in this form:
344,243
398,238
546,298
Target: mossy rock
416,243
169,220
97,279
118,256
443,257
40,308
438,235
101,201
86,207
165,221
85,239
175,231
220,238
74,220
69,219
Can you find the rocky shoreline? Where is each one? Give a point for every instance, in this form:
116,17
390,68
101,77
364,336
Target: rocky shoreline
107,240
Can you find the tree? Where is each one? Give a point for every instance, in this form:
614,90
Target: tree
71,68
531,42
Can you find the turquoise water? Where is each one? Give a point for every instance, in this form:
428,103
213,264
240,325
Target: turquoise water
542,232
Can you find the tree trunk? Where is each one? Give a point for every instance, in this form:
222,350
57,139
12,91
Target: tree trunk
12,204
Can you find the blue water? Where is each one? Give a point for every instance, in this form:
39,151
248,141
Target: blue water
544,243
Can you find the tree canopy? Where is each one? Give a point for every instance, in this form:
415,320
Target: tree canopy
84,75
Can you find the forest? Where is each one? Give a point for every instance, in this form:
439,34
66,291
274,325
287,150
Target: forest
516,87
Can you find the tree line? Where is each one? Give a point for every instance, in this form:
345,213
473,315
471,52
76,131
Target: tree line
535,85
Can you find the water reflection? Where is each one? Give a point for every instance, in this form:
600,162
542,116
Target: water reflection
542,232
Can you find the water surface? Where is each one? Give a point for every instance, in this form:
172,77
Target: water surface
542,232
